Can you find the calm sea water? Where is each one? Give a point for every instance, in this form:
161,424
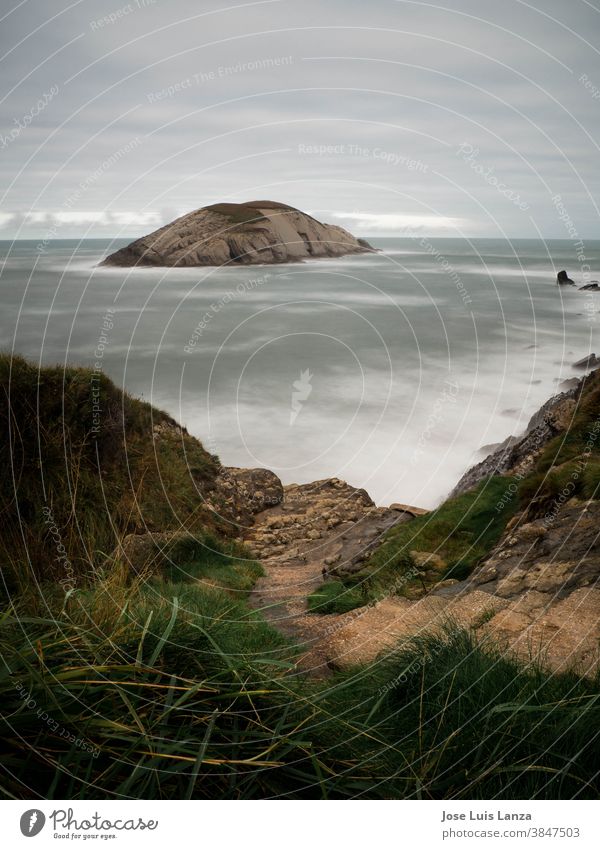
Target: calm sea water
387,370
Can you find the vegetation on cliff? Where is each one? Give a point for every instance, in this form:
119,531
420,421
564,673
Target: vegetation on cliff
162,683
85,464
451,541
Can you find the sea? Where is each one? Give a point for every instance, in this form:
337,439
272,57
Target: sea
393,371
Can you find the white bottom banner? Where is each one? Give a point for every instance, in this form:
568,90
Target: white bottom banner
291,824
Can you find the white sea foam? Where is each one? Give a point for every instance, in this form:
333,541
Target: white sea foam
414,364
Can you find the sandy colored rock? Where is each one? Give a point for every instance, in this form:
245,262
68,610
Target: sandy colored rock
257,232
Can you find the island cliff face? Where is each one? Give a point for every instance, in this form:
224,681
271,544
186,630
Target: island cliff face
257,232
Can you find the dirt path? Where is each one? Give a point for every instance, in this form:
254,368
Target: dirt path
318,526
327,525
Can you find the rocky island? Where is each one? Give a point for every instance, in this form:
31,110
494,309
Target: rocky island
253,233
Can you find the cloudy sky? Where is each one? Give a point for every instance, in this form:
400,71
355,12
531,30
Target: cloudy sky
388,116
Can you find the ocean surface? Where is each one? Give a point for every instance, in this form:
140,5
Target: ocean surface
390,371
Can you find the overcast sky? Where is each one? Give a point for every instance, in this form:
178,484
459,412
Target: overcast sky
386,117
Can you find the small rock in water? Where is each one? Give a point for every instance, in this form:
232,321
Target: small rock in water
563,277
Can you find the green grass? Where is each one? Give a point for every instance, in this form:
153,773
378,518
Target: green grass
237,214
164,684
335,597
208,561
473,723
462,531
197,701
95,486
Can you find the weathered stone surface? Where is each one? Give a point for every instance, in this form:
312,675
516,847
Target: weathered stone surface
554,554
334,527
408,508
239,494
251,233
591,361
428,561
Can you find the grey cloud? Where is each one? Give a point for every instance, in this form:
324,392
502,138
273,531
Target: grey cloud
416,82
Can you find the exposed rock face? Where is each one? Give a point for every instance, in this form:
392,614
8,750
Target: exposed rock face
409,509
235,496
554,555
517,455
327,522
319,529
251,233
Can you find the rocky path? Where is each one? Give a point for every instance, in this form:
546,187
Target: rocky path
328,525
323,527
318,528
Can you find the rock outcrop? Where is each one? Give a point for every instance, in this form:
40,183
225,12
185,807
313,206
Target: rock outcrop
591,361
562,277
553,554
516,455
327,522
536,593
250,233
239,494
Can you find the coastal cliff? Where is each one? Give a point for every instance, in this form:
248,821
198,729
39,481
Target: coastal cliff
256,232
214,600
515,541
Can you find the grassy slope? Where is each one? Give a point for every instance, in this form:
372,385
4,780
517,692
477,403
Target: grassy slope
195,701
97,486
